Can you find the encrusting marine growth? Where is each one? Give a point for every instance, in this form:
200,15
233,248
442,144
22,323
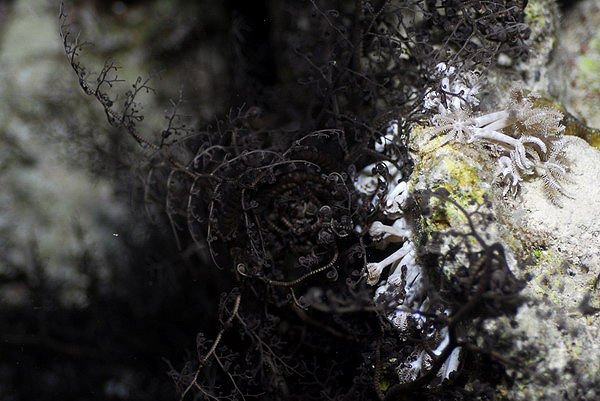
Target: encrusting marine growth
527,140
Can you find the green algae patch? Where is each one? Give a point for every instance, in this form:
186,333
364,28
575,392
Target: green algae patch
465,188
452,167
467,182
589,63
536,256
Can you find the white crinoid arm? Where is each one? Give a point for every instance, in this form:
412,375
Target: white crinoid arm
507,170
374,270
515,147
493,121
397,232
396,199
554,171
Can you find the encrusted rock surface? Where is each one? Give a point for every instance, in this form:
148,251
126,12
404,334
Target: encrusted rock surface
553,335
553,245
467,173
550,347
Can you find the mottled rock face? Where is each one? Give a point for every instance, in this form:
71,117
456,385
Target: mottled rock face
554,244
564,262
467,174
551,243
445,261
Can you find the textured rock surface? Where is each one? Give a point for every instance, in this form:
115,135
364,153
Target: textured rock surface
552,341
58,158
467,173
555,335
550,336
542,17
555,247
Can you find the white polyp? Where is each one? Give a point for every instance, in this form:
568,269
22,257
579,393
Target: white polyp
504,165
412,269
498,119
391,133
445,341
374,270
494,136
400,320
413,272
398,189
453,84
537,141
445,83
399,230
396,199
549,165
367,183
451,364
415,367
518,149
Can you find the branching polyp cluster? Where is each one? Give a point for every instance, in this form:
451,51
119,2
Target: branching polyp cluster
526,139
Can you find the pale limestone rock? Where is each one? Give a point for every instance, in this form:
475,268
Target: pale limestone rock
556,343
554,243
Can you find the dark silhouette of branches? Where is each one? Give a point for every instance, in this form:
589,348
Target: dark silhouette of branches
266,194
129,114
486,288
